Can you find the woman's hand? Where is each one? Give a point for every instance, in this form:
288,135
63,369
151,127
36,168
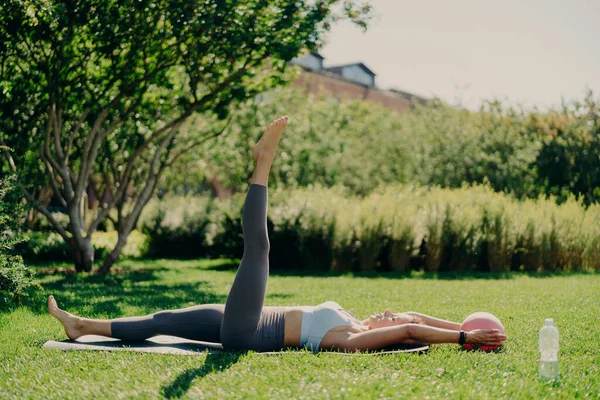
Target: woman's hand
490,337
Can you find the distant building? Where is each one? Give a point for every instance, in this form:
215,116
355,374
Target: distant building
350,81
358,73
311,61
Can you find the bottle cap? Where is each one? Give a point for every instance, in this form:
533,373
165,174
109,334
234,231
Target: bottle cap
549,322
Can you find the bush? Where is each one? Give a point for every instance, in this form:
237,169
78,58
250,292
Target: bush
16,280
471,229
50,246
44,247
302,228
191,227
137,244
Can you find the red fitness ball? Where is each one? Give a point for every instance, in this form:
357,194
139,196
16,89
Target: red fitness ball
481,320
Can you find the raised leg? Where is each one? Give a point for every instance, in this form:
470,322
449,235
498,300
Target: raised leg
246,297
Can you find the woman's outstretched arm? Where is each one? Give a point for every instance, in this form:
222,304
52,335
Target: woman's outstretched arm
435,322
376,339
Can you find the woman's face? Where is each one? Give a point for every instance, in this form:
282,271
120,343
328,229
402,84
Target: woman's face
388,318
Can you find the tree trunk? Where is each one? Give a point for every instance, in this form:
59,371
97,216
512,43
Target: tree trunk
220,191
83,255
114,254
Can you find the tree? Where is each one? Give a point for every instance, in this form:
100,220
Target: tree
356,144
569,160
94,92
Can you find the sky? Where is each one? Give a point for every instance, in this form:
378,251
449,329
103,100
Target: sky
531,53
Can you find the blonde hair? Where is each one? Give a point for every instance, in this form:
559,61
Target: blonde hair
412,319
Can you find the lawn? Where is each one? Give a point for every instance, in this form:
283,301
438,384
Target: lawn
520,301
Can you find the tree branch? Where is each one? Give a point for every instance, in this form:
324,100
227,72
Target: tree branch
196,144
91,153
8,156
74,133
57,226
93,143
64,174
53,180
85,58
206,98
46,145
31,199
57,124
129,167
153,166
85,161
111,219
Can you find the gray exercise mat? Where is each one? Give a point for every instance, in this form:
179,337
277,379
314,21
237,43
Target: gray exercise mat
163,344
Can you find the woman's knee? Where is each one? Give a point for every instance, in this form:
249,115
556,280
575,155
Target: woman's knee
258,242
162,318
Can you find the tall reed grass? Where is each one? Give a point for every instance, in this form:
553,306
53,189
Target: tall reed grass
469,229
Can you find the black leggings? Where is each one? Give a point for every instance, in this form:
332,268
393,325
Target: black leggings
242,323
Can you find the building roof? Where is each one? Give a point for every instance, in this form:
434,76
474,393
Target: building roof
409,96
338,68
336,71
314,53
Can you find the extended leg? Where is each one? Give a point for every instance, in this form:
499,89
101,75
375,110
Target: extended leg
246,297
201,322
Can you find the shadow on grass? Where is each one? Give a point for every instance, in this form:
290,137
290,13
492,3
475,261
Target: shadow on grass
497,275
413,274
215,363
274,271
230,265
105,295
279,295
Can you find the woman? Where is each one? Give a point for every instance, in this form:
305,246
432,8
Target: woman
244,324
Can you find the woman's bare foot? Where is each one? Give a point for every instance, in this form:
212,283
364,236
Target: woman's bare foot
267,144
70,322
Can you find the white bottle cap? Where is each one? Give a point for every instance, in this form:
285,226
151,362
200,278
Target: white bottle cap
549,322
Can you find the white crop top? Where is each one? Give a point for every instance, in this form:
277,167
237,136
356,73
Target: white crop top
324,317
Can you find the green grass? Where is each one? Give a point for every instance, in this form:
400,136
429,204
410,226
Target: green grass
521,302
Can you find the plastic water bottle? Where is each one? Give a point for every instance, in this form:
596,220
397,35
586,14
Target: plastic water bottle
549,351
